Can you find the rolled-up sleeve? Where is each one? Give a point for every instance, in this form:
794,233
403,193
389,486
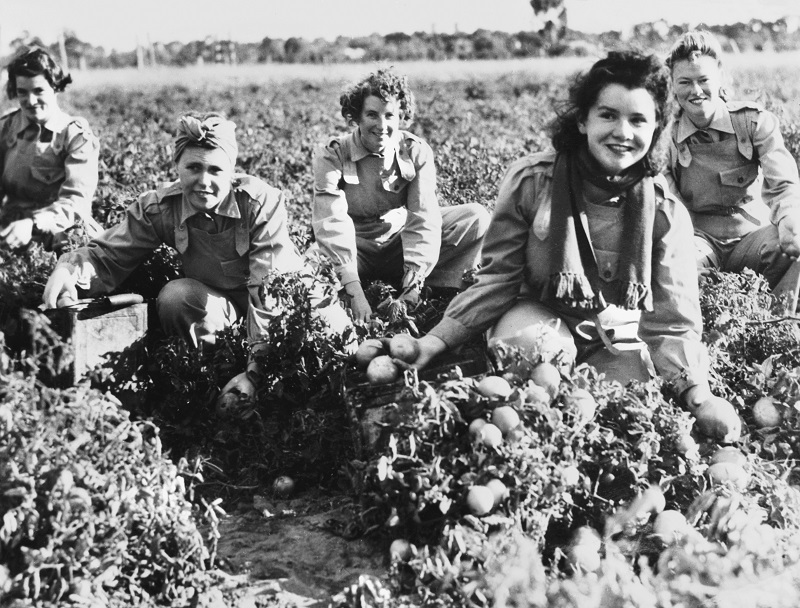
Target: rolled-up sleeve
271,248
422,234
76,192
333,227
781,186
112,256
673,329
502,265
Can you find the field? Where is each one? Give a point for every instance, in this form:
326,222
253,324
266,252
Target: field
113,492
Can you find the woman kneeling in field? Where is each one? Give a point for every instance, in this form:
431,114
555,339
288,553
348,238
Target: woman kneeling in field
229,230
589,238
375,212
48,158
730,167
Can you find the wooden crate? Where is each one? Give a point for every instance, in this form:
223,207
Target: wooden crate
98,332
373,410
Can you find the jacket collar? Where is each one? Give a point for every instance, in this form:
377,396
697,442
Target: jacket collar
227,207
721,122
399,152
57,122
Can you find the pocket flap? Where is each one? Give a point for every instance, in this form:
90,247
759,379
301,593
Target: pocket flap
607,264
47,175
740,176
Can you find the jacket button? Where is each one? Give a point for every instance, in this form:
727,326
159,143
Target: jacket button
740,179
607,274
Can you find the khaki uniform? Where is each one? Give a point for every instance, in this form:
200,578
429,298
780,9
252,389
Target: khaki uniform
49,172
377,216
738,181
515,246
225,256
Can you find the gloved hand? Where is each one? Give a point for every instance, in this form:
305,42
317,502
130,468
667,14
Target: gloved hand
714,416
238,387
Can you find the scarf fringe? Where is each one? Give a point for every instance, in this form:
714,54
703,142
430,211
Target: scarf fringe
634,295
576,290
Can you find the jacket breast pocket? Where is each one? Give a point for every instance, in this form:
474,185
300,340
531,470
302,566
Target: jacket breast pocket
607,264
239,267
734,183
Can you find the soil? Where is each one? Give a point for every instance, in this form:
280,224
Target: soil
286,553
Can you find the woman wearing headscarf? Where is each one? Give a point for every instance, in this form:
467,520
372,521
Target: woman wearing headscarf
48,158
229,230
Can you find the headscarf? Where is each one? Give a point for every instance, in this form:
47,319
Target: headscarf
210,131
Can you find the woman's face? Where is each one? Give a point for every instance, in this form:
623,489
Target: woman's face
619,127
378,123
205,175
36,98
696,85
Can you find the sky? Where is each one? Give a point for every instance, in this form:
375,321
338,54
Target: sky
119,24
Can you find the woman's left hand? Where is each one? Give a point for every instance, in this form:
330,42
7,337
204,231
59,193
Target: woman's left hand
18,233
789,235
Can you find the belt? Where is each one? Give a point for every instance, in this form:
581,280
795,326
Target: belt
727,212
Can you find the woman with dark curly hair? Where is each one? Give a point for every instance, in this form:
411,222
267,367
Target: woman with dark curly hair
375,212
48,158
588,239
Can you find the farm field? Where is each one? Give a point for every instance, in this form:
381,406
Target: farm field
115,492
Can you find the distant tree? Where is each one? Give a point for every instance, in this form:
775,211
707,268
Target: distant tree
554,27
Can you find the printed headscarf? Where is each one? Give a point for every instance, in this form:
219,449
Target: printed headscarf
210,131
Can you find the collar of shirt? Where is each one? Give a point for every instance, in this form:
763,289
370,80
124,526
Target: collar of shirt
720,122
359,151
57,122
227,207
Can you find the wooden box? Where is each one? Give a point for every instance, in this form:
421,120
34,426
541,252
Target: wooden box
98,332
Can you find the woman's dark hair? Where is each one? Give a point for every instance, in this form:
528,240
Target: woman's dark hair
632,70
384,84
35,61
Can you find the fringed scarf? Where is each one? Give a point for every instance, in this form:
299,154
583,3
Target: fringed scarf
574,276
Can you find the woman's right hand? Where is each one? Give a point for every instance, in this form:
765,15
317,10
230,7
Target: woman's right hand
61,289
359,306
429,347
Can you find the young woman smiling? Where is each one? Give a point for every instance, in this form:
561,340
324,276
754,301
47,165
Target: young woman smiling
588,236
48,158
730,167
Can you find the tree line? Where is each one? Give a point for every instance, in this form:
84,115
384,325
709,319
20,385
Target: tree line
780,35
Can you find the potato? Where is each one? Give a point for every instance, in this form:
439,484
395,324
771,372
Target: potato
404,347
382,370
729,473
368,350
494,387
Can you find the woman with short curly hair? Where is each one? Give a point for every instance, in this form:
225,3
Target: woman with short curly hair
49,159
375,213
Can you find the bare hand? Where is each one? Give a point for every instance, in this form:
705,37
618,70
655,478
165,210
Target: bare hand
18,233
358,304
789,236
61,289
429,347
410,296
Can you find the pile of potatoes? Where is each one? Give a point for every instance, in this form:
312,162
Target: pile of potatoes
385,358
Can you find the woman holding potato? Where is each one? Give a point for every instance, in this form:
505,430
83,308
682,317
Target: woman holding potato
48,158
588,238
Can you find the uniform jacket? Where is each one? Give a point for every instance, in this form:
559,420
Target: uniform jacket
250,239
745,178
512,267
355,195
51,179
